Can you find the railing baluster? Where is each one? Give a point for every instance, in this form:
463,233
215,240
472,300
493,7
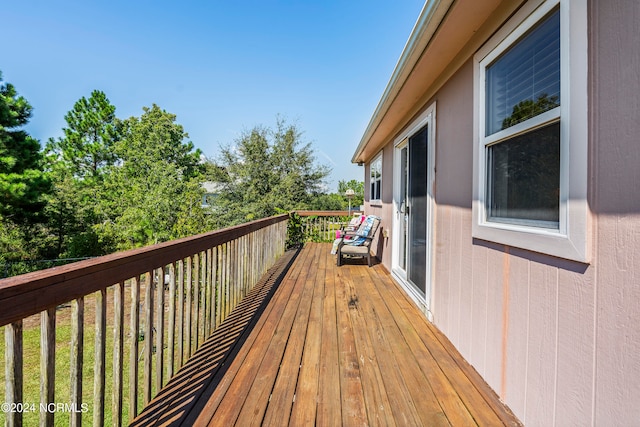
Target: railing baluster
229,280
99,362
225,282
251,249
243,266
76,359
13,371
159,335
219,287
133,342
203,294
118,353
233,285
148,339
47,363
210,292
181,318
172,321
196,300
206,276
188,304
214,287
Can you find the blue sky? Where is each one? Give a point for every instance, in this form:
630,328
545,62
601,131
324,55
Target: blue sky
221,66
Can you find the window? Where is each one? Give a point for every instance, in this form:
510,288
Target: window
375,179
523,173
528,141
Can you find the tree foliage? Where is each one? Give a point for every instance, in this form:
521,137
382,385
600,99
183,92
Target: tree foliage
121,183
87,145
77,162
267,171
109,184
153,193
339,201
23,183
358,190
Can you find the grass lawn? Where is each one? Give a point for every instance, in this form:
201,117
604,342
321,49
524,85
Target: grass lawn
31,355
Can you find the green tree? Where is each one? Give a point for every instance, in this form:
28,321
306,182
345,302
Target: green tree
153,193
328,202
23,183
87,145
339,201
267,172
77,162
358,189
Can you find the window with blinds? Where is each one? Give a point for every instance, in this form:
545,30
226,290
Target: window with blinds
525,80
531,130
523,163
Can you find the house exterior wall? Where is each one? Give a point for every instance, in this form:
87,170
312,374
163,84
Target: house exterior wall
558,340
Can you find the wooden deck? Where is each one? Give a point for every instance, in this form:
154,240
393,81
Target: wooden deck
327,346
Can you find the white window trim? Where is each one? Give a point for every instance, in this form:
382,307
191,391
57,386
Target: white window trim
571,240
375,160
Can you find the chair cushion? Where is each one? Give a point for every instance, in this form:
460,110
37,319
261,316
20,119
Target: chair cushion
354,250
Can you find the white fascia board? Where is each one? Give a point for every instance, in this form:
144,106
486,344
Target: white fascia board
428,22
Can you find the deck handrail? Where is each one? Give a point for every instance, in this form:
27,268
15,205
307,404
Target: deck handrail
189,286
28,294
321,226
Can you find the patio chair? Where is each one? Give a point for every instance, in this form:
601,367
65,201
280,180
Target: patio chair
359,244
351,227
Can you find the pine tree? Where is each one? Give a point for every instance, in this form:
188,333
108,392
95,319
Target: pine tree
78,162
22,180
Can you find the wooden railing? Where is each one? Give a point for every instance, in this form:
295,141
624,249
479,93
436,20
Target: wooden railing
321,226
149,309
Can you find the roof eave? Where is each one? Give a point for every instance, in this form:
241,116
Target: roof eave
431,16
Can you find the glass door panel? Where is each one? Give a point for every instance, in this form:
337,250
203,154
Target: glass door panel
417,209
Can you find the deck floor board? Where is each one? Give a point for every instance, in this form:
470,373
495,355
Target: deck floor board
345,346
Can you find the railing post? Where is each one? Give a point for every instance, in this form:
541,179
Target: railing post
13,371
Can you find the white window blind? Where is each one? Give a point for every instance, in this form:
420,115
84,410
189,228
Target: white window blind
525,80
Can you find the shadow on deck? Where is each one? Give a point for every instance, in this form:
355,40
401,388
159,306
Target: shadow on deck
326,345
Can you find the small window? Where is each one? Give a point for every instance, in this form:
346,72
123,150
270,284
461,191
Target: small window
531,131
375,179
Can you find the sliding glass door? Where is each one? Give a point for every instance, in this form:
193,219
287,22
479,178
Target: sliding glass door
412,200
